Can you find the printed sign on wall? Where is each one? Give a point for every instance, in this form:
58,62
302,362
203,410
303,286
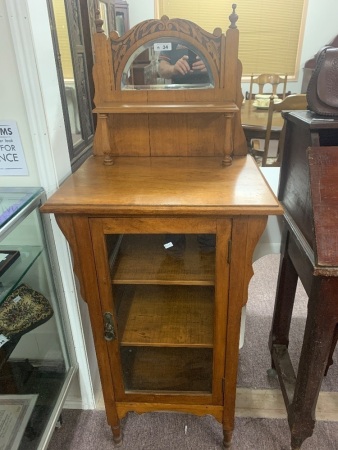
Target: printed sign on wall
12,157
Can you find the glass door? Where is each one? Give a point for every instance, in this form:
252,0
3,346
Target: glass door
164,297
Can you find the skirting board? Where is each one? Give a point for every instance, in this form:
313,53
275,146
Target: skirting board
255,403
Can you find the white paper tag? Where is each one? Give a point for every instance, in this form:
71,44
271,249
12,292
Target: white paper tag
3,340
162,46
17,299
168,245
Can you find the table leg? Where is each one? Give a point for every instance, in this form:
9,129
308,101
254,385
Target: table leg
285,296
332,349
319,333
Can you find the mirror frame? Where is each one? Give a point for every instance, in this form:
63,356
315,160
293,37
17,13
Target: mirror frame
179,29
219,50
200,115
210,84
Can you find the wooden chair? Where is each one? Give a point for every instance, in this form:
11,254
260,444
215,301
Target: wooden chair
272,79
291,102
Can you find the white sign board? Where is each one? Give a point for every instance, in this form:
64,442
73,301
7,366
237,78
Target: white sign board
12,157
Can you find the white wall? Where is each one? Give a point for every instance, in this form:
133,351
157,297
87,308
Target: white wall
12,106
140,10
321,26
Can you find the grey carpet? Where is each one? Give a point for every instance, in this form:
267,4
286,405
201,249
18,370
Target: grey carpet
87,430
254,357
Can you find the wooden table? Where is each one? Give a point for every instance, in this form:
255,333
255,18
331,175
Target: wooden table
308,192
254,122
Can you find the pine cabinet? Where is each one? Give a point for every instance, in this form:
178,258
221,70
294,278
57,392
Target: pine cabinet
162,222
165,281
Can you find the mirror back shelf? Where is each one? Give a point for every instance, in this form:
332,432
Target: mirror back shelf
141,113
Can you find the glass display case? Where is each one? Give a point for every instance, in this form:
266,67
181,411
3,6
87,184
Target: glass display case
35,363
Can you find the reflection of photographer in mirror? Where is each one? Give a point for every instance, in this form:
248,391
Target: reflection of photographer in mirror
182,66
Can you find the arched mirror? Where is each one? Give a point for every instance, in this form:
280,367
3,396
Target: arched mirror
167,63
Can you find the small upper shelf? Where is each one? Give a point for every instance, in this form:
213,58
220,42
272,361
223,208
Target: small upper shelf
195,113
157,107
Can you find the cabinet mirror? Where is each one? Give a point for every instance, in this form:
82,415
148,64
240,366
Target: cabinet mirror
167,63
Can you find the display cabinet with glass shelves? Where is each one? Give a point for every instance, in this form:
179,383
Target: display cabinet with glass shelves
36,368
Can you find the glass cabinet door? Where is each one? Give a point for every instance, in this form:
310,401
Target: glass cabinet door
34,358
163,293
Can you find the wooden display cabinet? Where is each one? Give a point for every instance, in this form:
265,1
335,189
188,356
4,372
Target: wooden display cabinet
162,222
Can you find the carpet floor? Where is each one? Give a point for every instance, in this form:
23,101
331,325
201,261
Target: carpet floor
254,356
88,430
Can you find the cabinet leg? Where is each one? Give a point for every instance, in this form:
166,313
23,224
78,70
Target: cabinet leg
117,435
227,441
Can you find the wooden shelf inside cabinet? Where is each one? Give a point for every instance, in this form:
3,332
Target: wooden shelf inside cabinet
157,107
166,316
143,260
175,370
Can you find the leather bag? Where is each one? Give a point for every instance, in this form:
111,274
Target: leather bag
322,92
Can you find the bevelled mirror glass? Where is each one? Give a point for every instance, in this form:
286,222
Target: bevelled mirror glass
167,63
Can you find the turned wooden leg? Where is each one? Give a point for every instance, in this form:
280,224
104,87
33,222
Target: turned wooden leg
296,443
117,435
227,441
285,296
319,332
333,346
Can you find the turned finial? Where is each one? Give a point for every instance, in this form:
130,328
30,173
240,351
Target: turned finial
98,21
233,16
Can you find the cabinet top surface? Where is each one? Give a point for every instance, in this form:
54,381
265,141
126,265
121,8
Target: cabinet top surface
312,120
14,199
165,185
